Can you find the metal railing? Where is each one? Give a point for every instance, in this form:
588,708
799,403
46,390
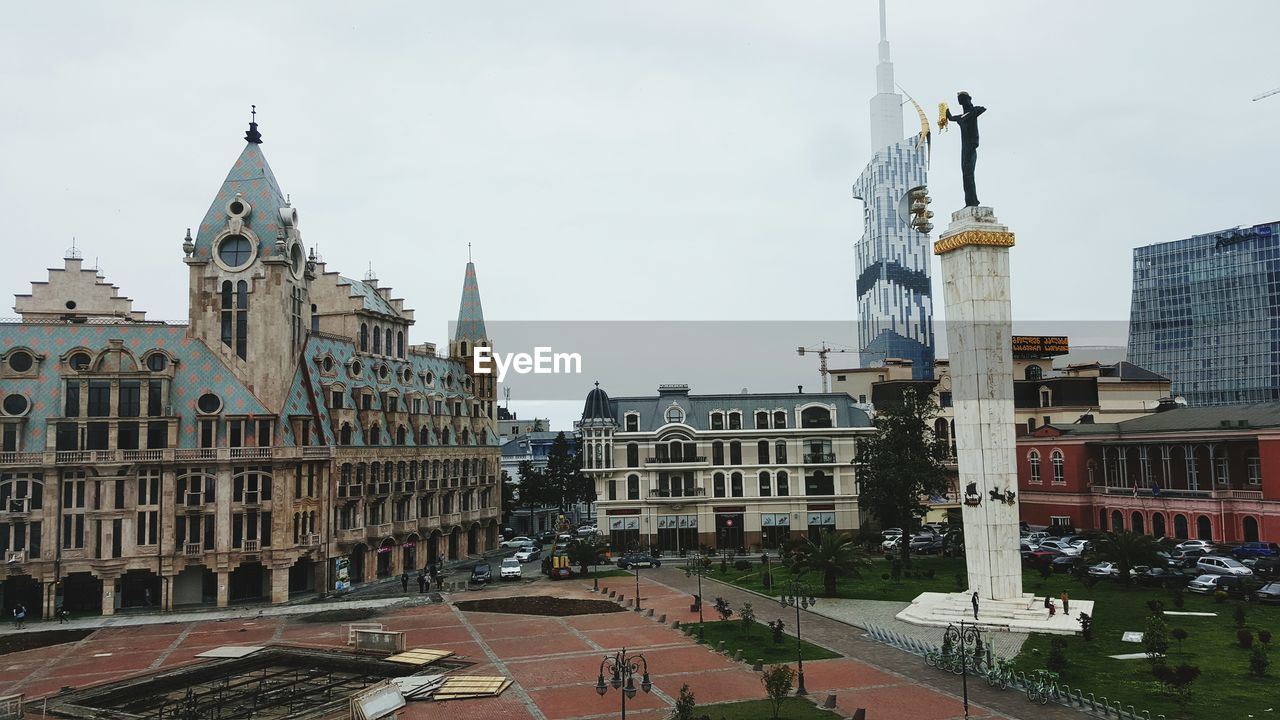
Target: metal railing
676,460
822,457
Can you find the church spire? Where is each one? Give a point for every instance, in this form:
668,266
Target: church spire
470,326
886,105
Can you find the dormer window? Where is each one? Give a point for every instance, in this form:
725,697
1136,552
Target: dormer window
735,420
632,422
717,421
79,362
20,361
762,420
1046,397
675,414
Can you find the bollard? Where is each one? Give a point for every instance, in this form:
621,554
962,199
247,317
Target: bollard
720,647
830,702
759,665
630,603
737,655
595,584
860,715
662,618
613,593
675,624
1093,702
649,612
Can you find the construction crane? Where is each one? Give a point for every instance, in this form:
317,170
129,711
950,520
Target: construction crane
822,350
1266,94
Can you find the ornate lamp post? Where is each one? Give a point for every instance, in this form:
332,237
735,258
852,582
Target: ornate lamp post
622,669
964,640
635,570
800,596
701,566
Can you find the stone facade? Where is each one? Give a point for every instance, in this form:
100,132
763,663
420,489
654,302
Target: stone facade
288,438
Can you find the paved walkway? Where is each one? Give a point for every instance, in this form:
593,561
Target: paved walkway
883,613
851,642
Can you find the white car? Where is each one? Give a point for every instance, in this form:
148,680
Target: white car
1105,569
891,543
517,541
1064,548
1204,584
1221,566
1203,545
528,553
510,569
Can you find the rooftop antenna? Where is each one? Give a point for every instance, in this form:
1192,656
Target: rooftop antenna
73,252
370,276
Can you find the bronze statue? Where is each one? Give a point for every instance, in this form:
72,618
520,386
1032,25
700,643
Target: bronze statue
968,121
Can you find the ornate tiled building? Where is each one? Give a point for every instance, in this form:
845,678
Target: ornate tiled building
287,439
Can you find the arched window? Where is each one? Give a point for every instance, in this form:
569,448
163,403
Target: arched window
424,435
364,337
780,451
400,343
735,484
374,434
815,417
1180,527
401,435
344,435
1033,459
1102,520
1033,372
735,420
1157,524
633,487
762,420
1059,470
1136,523
1117,521
377,340
762,452
675,414
717,421
779,419
765,490
783,487
444,436
315,320
1250,527
717,485
1204,528
1046,397
633,455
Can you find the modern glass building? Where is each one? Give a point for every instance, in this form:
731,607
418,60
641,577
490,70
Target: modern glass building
1206,314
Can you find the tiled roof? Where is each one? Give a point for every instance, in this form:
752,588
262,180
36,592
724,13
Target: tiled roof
697,408
251,176
1187,419
373,300
470,314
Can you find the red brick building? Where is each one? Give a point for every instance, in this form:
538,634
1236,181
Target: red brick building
1210,472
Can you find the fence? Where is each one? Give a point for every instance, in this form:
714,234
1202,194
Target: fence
1061,693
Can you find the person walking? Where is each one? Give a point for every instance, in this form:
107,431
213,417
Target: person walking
404,581
1066,600
974,600
20,616
422,582
439,581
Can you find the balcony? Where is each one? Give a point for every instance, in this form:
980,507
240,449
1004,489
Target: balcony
251,453
405,526
311,539
350,491
819,458
250,546
378,531
196,454
687,493
350,535
692,460
72,456
21,458
193,550
1174,494
142,455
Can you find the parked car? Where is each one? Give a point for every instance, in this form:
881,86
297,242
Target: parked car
1060,546
546,538
1185,558
510,569
1041,557
481,573
1238,586
1255,550
1065,563
517,541
1266,567
508,533
528,553
891,533
638,560
934,546
1105,569
587,531
1037,536
1161,577
1203,545
1213,565
1204,584
891,544
1269,593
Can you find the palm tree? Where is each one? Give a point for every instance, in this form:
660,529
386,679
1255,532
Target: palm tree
1126,550
833,555
584,553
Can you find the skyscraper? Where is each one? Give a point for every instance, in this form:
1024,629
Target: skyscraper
895,297
1204,314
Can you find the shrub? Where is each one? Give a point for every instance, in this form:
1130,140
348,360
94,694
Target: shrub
884,576
1265,636
1156,638
1179,634
961,581
1086,625
722,607
1057,661
1046,571
1220,596
1245,638
1179,679
1238,615
684,706
1258,661
1155,606
748,615
741,564
1177,594
777,685
895,568
777,626
1090,581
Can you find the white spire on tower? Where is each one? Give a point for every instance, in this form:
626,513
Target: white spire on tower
886,105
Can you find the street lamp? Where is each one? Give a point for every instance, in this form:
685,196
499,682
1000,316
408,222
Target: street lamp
961,639
622,669
635,570
800,596
701,566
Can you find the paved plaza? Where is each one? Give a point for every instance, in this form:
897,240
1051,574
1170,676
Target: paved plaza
553,660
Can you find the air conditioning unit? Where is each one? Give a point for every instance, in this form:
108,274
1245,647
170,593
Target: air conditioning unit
193,498
15,556
18,505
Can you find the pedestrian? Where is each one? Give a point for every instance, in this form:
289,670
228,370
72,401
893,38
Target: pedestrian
1052,608
422,582
439,582
975,605
1066,603
146,596
20,616
404,581
63,615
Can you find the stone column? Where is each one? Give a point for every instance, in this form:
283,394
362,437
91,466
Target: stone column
975,270
108,596
280,584
224,589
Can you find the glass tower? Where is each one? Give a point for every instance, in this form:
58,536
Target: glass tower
1206,314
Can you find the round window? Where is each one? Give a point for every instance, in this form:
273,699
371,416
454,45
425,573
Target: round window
20,361
236,208
406,375
297,260
382,372
79,361
71,304
429,378
15,405
235,250
327,364
448,381
209,403
157,362
355,368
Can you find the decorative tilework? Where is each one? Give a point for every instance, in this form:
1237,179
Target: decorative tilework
251,176
470,315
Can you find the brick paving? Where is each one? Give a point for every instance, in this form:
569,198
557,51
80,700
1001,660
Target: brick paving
553,661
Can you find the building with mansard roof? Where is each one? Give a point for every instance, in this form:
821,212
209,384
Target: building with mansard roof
288,438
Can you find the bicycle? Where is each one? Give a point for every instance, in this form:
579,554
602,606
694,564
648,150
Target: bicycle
1039,686
1000,674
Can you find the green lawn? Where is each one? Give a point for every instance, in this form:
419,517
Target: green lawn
1211,644
758,644
792,709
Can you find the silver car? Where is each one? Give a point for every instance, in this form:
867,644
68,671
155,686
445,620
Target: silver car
1214,565
1204,584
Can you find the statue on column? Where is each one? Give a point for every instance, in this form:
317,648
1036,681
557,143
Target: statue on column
968,121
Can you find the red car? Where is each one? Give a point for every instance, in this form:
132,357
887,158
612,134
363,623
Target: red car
1038,558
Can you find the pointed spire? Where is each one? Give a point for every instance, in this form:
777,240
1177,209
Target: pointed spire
253,135
470,315
886,105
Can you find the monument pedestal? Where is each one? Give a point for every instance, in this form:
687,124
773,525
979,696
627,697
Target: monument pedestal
1023,614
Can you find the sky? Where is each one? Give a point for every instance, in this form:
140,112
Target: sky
626,161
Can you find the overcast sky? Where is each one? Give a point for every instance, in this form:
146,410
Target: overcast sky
640,161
